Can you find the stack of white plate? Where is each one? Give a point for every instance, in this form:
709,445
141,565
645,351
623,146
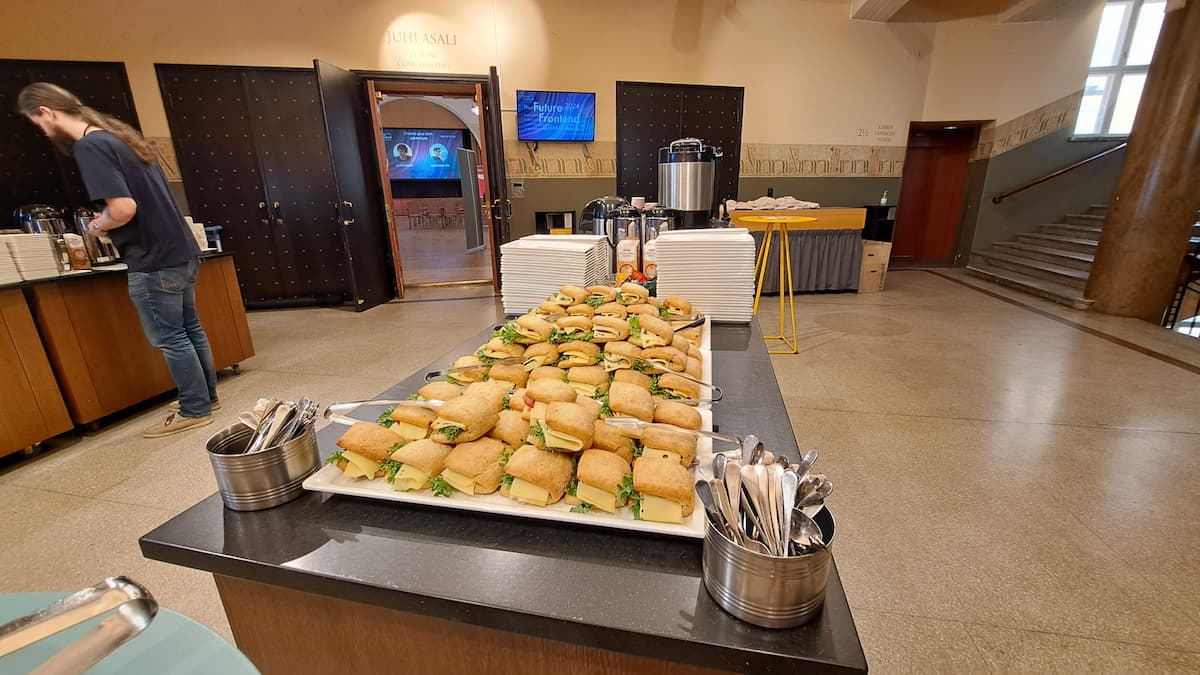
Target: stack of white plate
714,269
33,255
9,274
533,268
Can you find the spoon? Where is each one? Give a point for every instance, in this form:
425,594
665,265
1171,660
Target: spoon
705,492
788,483
756,454
733,491
804,464
820,492
805,533
732,528
768,457
748,444
754,503
783,461
718,466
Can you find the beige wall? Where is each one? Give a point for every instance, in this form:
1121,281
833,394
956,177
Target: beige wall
985,70
811,74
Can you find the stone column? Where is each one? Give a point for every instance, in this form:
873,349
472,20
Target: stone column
1151,217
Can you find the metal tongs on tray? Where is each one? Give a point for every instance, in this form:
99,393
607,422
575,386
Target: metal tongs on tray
333,412
717,393
510,361
134,610
635,423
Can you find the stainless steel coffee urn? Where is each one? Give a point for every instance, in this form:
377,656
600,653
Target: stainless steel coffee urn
596,217
687,174
40,219
100,250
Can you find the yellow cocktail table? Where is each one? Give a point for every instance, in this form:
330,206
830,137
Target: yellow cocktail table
777,224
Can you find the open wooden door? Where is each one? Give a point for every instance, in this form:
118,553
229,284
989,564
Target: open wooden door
385,183
360,202
491,137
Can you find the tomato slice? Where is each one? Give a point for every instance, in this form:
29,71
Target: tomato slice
529,402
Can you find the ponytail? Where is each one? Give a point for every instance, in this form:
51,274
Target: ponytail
56,98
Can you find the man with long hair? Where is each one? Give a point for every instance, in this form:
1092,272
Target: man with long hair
144,222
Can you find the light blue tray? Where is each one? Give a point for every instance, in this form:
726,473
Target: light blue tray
172,645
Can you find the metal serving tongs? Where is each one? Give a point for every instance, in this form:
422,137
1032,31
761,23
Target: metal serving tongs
134,610
717,392
510,361
333,412
635,423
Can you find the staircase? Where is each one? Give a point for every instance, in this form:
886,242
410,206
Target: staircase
1052,263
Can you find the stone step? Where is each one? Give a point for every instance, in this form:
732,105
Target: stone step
1063,295
1098,209
1072,259
1058,241
1085,219
1067,230
1031,267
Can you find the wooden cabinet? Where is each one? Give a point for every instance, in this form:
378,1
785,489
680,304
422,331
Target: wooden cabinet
33,407
100,355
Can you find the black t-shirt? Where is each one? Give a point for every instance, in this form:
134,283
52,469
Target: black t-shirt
158,237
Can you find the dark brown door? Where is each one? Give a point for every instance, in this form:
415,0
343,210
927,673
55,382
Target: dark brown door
492,140
251,149
931,194
359,203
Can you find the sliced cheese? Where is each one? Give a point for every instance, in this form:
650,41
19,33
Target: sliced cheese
649,339
661,510
628,298
604,331
459,482
529,333
575,354
538,413
667,454
534,361
562,299
612,363
528,493
561,441
585,389
596,497
410,478
409,432
359,466
441,423
506,383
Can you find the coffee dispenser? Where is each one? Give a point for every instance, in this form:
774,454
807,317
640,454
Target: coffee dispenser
687,174
100,250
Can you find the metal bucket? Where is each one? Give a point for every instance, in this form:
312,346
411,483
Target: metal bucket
767,591
263,479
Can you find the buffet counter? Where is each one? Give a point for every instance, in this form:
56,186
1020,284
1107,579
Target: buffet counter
321,584
78,351
826,253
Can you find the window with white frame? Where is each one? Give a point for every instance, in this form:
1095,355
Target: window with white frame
1120,59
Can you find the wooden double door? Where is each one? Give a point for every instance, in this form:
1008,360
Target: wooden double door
275,156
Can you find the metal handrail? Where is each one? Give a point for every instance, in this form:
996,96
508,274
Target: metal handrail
1005,195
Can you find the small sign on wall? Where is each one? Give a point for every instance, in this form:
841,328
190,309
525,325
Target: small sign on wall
516,189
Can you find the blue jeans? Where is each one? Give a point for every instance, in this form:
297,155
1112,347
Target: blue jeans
166,304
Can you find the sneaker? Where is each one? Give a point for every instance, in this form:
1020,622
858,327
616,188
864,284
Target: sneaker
174,407
175,424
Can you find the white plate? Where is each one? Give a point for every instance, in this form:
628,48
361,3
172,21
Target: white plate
330,479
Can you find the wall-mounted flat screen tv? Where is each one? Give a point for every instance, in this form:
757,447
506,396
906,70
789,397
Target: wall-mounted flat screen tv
556,116
423,154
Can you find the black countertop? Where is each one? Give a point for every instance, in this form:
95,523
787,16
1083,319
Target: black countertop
94,272
621,591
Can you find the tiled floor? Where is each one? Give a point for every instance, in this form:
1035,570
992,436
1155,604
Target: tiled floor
438,256
1013,494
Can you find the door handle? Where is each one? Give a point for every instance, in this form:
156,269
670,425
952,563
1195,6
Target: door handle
266,213
348,218
278,213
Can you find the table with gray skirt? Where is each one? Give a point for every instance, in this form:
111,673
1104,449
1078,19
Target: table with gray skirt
822,260
627,592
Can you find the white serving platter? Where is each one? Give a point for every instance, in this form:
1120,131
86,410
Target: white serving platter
329,479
